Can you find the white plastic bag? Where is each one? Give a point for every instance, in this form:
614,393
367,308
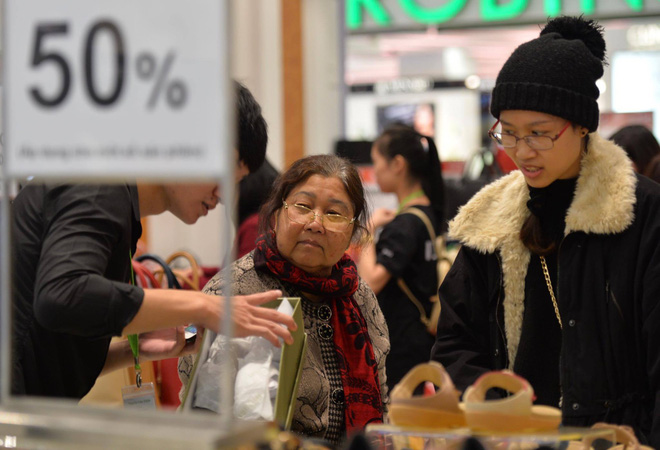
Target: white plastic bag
254,363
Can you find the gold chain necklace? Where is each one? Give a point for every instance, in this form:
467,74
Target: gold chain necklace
546,274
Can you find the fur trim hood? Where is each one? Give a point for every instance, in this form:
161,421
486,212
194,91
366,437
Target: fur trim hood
490,222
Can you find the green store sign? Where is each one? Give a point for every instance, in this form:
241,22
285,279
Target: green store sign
383,15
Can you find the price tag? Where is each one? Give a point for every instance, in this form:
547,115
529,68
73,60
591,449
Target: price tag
116,88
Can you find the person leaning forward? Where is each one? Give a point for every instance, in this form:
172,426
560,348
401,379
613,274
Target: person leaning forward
558,276
71,249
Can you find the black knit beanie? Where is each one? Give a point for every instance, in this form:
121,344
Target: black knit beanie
555,73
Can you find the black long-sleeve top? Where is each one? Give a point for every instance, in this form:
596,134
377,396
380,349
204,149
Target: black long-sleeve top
71,247
539,350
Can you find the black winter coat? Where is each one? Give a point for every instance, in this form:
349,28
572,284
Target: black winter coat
608,288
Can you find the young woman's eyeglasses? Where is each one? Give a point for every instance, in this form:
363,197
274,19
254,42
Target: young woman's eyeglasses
303,215
534,142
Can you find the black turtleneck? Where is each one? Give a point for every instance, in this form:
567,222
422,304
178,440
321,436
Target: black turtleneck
538,354
550,204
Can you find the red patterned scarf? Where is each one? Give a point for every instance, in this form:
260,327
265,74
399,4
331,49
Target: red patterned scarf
355,354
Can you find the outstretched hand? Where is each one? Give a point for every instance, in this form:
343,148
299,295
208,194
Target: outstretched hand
251,319
168,343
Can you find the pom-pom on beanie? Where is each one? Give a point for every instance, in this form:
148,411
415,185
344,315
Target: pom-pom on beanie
555,73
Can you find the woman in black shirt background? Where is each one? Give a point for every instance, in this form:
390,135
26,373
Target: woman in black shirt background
406,164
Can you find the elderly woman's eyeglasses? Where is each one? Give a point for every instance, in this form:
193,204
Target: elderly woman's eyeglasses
534,142
303,215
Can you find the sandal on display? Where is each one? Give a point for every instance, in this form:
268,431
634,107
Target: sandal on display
513,414
438,410
625,437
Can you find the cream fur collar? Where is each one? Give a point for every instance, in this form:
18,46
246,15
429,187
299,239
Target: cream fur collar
491,221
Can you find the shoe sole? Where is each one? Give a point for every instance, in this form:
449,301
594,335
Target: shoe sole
414,416
511,423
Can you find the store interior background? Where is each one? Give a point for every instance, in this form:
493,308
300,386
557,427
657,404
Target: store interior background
345,80
336,65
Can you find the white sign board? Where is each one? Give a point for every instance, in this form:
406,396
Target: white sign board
116,88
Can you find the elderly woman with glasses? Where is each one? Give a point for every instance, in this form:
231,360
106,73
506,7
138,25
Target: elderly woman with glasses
315,210
558,277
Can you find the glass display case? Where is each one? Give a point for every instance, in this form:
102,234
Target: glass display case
399,438
56,425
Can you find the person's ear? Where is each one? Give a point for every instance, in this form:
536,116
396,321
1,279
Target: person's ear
275,220
242,170
583,132
399,163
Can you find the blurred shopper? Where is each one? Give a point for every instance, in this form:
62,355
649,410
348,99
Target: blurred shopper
315,210
406,164
639,143
253,190
558,277
653,169
72,247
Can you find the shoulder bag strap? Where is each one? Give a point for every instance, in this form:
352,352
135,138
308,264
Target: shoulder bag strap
402,284
429,227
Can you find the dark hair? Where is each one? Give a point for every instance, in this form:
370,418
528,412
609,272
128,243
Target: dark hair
533,238
423,161
252,137
253,190
639,143
653,169
328,166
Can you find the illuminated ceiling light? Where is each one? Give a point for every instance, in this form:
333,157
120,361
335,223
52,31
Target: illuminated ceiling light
473,82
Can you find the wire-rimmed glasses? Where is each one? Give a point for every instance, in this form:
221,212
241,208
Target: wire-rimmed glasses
534,142
303,215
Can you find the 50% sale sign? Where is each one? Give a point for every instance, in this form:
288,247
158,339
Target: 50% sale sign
116,88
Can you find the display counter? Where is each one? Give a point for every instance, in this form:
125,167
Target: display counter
398,438
42,425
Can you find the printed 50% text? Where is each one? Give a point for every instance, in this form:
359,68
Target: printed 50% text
147,67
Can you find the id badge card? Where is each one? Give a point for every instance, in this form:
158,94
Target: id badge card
143,397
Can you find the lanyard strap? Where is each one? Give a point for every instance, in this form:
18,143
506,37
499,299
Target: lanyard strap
417,194
133,338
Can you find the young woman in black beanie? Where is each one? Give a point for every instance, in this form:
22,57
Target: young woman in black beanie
406,164
558,278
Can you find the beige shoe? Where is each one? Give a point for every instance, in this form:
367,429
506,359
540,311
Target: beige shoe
513,414
625,437
436,411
